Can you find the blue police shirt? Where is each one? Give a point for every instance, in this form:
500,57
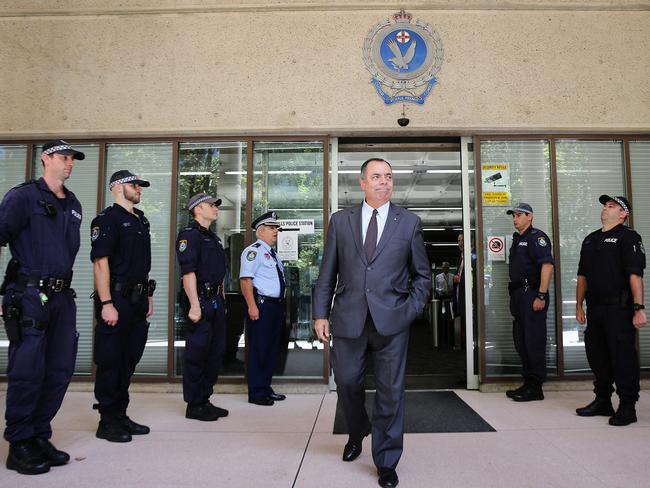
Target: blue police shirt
124,238
199,251
527,254
46,245
258,263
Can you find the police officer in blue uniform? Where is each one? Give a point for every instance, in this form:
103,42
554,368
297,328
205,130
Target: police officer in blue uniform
121,256
610,278
261,279
40,220
202,263
531,269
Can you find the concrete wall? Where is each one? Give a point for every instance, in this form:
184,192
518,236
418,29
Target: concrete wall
189,67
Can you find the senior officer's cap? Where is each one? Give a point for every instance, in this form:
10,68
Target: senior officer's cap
202,198
125,176
269,218
62,147
622,201
521,208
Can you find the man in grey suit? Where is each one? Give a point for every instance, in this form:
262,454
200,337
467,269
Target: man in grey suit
376,268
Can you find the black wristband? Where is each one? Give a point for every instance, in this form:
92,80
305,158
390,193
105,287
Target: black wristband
638,306
542,296
106,302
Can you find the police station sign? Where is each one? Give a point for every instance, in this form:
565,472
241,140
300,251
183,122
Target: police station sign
288,238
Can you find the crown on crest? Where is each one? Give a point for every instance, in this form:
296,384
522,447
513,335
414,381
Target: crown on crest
402,16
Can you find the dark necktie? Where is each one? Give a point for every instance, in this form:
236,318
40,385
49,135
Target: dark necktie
280,275
371,236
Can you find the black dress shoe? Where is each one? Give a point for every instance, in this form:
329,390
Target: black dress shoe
26,459
112,431
201,411
277,397
353,448
600,406
264,401
50,453
220,412
387,477
625,415
529,393
132,427
351,451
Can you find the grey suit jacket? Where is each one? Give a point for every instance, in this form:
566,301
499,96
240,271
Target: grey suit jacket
394,285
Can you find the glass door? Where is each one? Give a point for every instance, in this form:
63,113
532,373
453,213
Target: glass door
430,177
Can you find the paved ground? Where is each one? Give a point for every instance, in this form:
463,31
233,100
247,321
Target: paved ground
541,444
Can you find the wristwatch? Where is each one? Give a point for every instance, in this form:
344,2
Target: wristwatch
638,306
542,296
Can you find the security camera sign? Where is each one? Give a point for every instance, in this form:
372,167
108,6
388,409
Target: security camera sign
495,184
496,248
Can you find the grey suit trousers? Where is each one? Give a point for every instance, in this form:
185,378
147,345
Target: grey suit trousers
349,357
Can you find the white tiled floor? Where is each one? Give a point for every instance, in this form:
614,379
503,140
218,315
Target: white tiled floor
540,444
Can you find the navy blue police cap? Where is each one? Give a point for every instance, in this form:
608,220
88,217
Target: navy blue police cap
269,218
521,208
62,147
622,201
125,176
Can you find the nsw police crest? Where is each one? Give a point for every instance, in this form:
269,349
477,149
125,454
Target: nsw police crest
403,58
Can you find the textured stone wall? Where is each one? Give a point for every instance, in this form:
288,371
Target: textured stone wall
296,67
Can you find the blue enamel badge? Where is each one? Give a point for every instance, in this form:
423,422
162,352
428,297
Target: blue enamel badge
403,58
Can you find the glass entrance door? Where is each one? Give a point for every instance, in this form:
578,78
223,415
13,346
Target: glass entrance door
428,180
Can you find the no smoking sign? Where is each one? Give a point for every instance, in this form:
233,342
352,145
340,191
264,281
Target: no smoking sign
496,248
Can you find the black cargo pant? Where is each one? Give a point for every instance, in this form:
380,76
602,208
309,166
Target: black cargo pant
610,343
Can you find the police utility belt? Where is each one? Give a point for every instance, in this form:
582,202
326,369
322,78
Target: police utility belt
525,284
622,298
263,298
133,289
210,291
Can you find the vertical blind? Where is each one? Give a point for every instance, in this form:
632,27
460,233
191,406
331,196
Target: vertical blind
83,183
640,169
12,172
152,162
529,174
585,170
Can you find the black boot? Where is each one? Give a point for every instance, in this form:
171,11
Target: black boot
516,391
600,406
221,412
50,453
132,427
113,431
625,415
530,392
26,459
201,411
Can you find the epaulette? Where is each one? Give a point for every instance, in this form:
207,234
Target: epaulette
25,183
257,244
105,211
533,231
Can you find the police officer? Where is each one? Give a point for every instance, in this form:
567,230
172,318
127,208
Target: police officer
531,268
121,256
203,267
610,277
261,279
40,220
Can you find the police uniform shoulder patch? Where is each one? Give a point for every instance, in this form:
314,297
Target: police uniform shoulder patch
94,234
251,255
542,241
182,245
